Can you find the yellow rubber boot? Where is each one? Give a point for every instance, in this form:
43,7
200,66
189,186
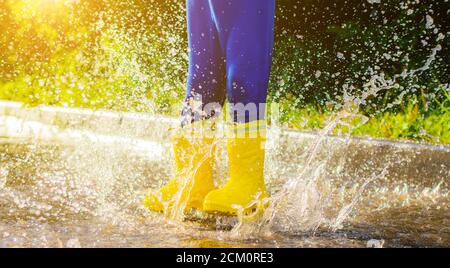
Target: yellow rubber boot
193,176
245,189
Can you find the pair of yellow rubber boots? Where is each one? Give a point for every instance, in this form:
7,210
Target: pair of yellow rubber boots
193,186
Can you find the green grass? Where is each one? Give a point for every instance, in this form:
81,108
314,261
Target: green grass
125,70
407,123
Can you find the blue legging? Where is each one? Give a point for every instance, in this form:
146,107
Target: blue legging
230,54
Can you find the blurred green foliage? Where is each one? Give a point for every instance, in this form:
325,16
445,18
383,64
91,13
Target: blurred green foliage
390,59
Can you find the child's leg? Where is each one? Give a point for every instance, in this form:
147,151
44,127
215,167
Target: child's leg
206,80
246,32
193,152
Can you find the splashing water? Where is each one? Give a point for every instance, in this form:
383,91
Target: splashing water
302,202
88,193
